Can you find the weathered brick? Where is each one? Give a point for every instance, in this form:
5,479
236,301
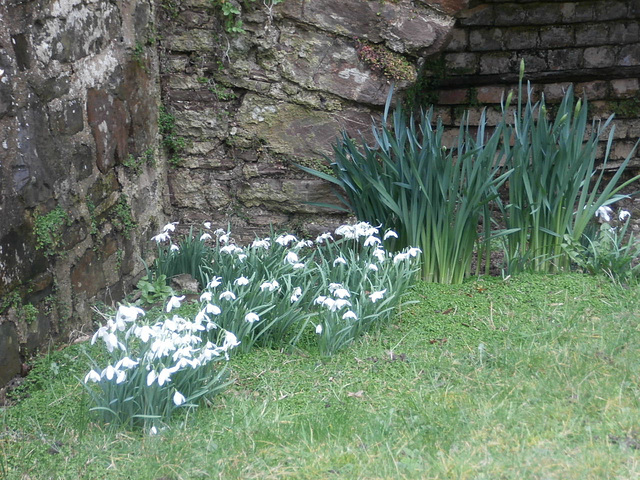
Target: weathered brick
556,36
554,92
459,40
624,33
621,150
629,56
485,39
481,15
565,59
578,12
599,57
456,96
597,90
535,62
625,87
444,114
490,94
633,129
496,62
592,34
610,10
461,62
521,38
510,14
450,136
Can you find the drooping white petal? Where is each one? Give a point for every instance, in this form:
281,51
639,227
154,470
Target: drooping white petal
178,398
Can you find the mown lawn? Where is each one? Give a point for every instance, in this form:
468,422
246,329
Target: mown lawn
534,377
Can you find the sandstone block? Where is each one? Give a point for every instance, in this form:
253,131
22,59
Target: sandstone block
625,87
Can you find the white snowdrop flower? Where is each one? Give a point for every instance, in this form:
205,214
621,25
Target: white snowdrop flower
364,229
297,266
126,362
161,237
400,257
373,267
121,376
330,303
174,302
371,240
207,225
341,303
604,213
271,286
212,309
285,240
380,254
390,234
346,231
334,286
304,243
219,231
375,296
241,257
623,215
242,281
339,260
206,297
128,314
228,249
324,237
224,238
178,398
341,293
350,315
228,295
265,243
205,236
151,377
251,317
164,376
92,376
215,281
153,431
320,300
319,328
230,340
144,333
297,292
414,251
169,227
291,258
111,341
174,248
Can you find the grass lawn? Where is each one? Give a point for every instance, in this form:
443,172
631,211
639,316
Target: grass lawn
536,377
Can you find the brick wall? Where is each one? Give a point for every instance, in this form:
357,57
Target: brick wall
593,44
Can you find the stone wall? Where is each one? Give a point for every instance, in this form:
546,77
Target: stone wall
78,102
593,44
250,105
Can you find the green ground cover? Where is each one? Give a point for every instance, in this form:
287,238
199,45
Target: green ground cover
533,377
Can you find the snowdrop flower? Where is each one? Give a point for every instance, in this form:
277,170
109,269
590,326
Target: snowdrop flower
151,377
241,281
371,240
174,248
219,231
230,340
291,258
108,372
341,293
126,362
322,238
373,267
228,295
330,303
229,249
206,297
341,303
297,266
604,213
400,257
164,376
129,314
350,315
224,238
285,240
111,341
205,236
169,227
143,333
207,225
212,309
215,281
241,257
153,431
269,286
121,376
297,292
320,300
334,286
319,329
380,254
174,302
161,237
623,215
346,231
375,296
251,317
304,243
364,229
414,251
390,234
261,244
339,260
92,376
178,398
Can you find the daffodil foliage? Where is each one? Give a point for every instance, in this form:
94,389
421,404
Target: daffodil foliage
273,292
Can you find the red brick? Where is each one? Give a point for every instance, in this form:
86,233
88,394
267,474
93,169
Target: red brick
625,87
554,92
490,94
457,96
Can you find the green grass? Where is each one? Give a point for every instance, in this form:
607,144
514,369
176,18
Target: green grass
535,377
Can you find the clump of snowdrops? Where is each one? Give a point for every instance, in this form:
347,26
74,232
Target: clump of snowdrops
273,293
